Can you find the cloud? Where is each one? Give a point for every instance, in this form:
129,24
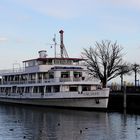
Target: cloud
131,3
59,9
72,9
3,39
124,24
23,17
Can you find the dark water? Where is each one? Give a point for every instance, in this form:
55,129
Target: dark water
36,123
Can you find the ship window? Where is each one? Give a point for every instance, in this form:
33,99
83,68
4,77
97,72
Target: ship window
21,89
23,77
16,78
86,88
26,64
41,62
31,63
49,61
48,89
45,75
32,76
41,89
77,74
56,88
39,76
27,90
56,61
35,90
73,88
63,61
51,75
65,74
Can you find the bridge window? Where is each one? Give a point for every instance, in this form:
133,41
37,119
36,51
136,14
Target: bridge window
77,74
65,74
73,88
86,88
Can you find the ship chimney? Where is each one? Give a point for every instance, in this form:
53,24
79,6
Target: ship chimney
42,54
61,43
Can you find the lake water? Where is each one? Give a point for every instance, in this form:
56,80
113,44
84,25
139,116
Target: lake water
40,123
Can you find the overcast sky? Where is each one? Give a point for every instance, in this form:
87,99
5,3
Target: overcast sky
27,26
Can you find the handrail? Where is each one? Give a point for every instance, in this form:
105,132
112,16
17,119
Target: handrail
12,70
69,79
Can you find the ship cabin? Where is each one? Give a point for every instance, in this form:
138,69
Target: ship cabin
46,69
55,69
47,75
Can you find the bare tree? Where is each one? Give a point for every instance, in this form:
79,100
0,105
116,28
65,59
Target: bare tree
104,60
136,69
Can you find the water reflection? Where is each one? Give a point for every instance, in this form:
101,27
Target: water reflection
37,123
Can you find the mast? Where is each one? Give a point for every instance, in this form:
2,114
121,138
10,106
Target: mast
54,40
63,51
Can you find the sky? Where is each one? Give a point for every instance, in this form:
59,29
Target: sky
27,26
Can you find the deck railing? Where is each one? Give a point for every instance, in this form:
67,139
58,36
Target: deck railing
14,70
71,79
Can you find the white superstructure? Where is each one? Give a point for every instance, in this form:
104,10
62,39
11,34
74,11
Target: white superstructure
56,81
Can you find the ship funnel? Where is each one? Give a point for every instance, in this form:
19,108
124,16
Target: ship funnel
61,43
63,51
42,54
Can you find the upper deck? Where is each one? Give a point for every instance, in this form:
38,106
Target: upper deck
44,65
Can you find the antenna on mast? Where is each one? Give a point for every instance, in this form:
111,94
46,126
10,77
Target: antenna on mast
54,40
63,51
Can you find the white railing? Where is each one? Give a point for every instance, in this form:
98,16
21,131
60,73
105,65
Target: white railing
40,81
70,79
77,79
7,71
65,79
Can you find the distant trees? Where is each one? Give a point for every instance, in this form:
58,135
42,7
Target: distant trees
104,61
124,69
136,69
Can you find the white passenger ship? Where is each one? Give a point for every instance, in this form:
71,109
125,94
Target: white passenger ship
56,82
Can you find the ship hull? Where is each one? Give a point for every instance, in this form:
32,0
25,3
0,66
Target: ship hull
88,99
98,103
